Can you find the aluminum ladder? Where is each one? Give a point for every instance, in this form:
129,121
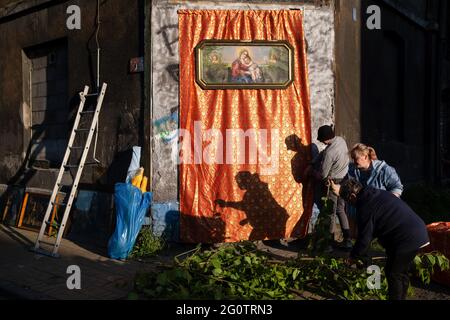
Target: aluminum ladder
65,166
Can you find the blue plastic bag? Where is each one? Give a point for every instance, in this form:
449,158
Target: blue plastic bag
131,207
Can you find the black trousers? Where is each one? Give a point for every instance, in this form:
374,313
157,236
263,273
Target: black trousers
397,266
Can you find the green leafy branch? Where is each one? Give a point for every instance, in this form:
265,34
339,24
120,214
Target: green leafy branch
239,271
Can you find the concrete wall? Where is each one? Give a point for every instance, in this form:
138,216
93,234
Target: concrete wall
319,33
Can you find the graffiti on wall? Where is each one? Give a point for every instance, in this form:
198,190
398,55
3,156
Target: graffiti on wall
168,36
166,127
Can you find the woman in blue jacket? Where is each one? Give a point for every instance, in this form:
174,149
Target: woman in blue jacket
369,171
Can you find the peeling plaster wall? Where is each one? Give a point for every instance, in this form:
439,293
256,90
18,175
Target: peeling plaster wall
319,33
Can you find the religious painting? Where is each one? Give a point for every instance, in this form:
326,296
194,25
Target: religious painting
228,64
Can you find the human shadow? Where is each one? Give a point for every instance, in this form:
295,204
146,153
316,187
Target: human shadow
300,169
263,213
18,182
194,229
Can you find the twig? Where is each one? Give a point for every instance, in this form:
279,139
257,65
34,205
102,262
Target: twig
185,253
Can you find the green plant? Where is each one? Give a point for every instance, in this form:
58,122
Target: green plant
240,271
321,238
147,244
426,263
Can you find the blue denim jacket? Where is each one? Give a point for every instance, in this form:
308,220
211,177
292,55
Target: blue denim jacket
382,176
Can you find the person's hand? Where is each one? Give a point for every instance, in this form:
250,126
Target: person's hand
221,203
335,188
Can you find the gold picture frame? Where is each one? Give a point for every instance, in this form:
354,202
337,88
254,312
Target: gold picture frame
233,64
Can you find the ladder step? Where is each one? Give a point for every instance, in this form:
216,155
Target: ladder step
91,163
82,130
87,112
59,204
69,166
60,184
76,148
91,94
44,252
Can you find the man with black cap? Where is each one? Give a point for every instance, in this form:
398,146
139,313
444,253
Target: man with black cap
382,215
334,161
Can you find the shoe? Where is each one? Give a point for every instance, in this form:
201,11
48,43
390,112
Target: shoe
347,244
272,243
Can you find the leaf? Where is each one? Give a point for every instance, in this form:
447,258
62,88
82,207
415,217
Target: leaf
216,263
443,262
431,258
248,260
295,274
333,263
417,260
440,261
217,271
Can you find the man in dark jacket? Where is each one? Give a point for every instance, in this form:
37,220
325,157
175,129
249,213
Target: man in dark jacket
399,230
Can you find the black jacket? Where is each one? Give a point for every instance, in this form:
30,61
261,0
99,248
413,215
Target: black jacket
382,215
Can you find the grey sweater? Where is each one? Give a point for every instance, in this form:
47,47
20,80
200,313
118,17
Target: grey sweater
335,159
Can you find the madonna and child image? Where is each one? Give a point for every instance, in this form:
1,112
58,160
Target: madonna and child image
259,64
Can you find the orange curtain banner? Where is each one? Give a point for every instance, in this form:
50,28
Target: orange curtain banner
228,191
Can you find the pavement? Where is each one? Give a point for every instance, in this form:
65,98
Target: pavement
27,275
